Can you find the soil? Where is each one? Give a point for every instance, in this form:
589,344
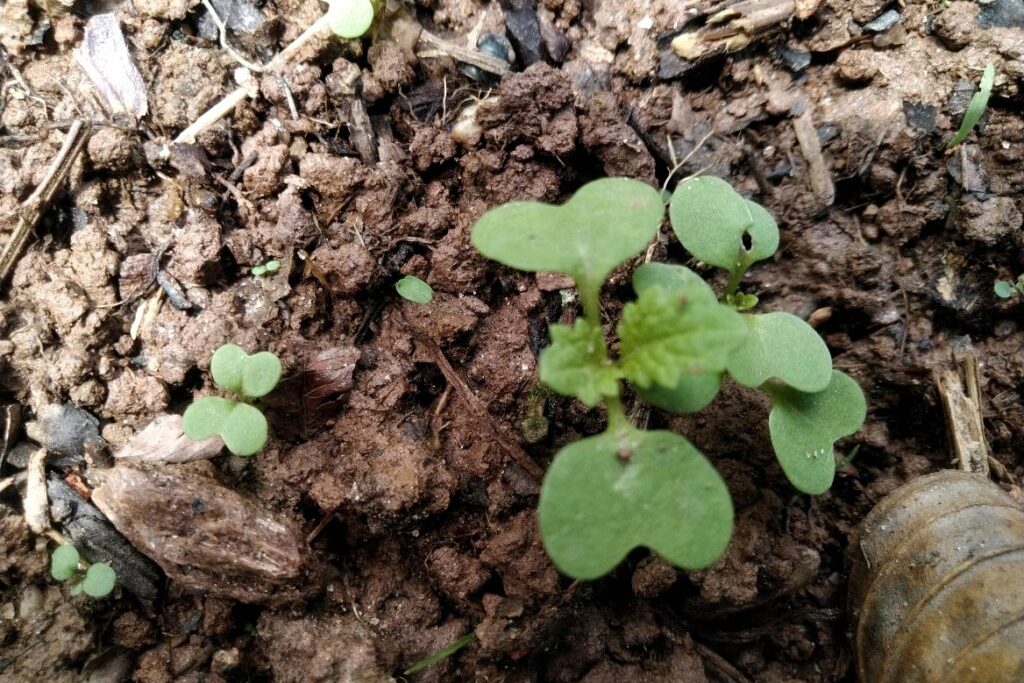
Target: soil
418,502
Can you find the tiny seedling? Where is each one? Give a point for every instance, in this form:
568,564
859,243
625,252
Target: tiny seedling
1005,289
96,581
626,487
440,655
351,18
242,426
268,268
415,290
976,107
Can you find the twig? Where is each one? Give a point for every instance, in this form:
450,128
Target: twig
35,206
961,400
433,43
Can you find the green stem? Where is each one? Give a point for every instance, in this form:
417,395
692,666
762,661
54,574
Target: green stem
616,413
735,277
590,297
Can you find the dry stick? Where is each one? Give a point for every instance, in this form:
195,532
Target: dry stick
963,414
35,206
432,43
479,410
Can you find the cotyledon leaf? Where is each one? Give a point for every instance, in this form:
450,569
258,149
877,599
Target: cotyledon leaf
243,427
251,376
605,223
576,363
719,227
784,347
804,428
605,495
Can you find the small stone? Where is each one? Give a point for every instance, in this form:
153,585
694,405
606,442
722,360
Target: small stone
64,429
30,603
991,222
857,67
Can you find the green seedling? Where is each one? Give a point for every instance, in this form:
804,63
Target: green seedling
440,655
268,268
976,107
628,487
1005,289
242,426
415,290
351,18
97,581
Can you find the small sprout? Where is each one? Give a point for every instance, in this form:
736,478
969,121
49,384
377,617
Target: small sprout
1005,289
976,107
97,581
440,655
415,290
267,268
242,426
625,487
351,18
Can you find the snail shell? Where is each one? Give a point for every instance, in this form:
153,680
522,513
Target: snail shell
937,584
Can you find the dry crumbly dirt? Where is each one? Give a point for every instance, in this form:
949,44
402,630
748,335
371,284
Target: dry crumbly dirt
424,527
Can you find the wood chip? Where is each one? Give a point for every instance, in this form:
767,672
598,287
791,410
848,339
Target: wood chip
37,514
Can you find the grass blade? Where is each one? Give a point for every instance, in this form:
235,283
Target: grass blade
976,107
438,655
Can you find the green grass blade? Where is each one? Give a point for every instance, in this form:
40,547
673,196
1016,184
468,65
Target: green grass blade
976,107
435,657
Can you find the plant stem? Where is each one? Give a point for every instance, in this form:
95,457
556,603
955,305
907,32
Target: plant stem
616,413
735,277
590,297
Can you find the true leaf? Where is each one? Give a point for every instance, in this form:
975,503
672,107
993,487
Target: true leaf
350,18
715,224
785,347
252,376
576,363
976,107
676,279
64,562
605,495
414,289
666,335
605,223
804,427
99,580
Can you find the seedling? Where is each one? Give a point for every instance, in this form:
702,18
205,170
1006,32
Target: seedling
415,290
440,655
240,424
1005,289
351,18
627,487
65,565
268,268
976,107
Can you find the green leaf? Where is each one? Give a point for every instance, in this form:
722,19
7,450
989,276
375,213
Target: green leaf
693,392
675,279
99,580
272,266
976,107
205,417
605,223
784,347
245,430
415,290
350,18
259,270
804,427
608,494
444,653
577,364
252,376
1004,289
711,219
64,562
665,336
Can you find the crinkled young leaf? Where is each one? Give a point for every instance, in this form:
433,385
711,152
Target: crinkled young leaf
710,219
608,494
665,336
64,562
784,347
99,580
576,363
804,427
252,376
605,223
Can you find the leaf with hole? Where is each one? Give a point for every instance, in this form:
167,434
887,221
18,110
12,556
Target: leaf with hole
783,347
64,562
719,227
666,335
605,223
804,428
605,495
576,363
251,376
415,290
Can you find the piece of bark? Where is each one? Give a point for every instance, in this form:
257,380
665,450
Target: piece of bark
36,514
164,441
207,537
817,170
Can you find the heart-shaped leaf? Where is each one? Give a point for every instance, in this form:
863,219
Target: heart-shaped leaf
665,335
804,428
784,347
243,427
605,223
99,580
350,18
577,364
252,376
608,494
718,226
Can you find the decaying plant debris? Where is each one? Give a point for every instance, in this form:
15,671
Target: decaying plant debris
397,442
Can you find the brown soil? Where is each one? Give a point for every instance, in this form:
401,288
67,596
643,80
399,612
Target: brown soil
423,519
